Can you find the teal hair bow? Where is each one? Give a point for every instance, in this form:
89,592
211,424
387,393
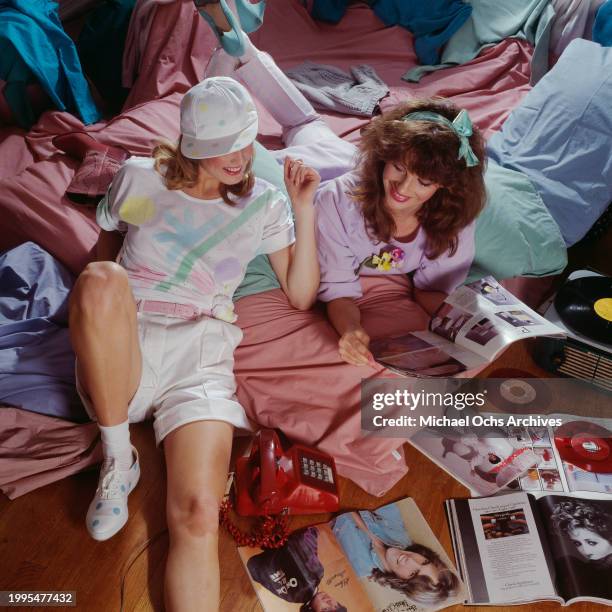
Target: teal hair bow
461,125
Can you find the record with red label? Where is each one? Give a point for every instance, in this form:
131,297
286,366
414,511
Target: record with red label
586,445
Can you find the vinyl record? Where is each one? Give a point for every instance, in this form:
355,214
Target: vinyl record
586,445
518,392
585,305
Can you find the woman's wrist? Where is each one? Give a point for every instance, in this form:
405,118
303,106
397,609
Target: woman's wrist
344,315
303,209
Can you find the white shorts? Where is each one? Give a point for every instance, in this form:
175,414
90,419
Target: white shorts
187,374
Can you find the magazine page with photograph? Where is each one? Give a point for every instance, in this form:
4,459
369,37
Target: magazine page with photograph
501,550
555,473
484,461
401,564
308,574
383,560
514,549
580,536
471,327
485,318
423,354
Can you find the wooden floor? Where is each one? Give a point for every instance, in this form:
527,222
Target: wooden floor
44,545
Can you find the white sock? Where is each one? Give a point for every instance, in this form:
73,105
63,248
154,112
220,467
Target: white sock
116,444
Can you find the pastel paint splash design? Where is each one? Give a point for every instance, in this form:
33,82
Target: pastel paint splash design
228,269
145,277
137,210
223,234
185,234
202,281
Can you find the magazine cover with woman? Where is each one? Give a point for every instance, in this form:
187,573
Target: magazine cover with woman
364,561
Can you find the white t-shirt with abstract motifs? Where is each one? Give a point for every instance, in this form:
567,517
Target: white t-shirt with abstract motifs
187,250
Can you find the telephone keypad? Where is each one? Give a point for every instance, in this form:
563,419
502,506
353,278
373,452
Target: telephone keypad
317,469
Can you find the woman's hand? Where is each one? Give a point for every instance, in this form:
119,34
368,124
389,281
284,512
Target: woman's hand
353,347
301,182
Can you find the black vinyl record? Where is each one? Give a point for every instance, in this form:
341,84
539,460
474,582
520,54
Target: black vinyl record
585,445
585,305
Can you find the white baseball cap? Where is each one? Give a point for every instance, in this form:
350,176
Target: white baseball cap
217,117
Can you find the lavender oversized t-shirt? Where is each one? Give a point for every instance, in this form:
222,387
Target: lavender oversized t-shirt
343,244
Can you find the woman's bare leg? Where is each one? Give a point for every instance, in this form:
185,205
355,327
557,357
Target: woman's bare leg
103,331
197,460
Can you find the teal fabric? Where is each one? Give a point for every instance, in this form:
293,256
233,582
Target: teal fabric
492,21
432,23
515,234
602,27
33,45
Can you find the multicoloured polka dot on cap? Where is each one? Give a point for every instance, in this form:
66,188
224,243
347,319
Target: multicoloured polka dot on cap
218,117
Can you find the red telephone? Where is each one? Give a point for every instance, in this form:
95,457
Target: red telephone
270,481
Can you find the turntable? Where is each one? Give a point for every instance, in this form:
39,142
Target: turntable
583,308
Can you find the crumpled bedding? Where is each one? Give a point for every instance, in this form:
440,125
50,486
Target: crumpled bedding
310,393
492,21
278,383
560,137
36,450
36,358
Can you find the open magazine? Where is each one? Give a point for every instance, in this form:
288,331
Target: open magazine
385,560
553,472
514,549
520,458
472,327
483,460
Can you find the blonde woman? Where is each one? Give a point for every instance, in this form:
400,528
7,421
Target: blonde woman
154,334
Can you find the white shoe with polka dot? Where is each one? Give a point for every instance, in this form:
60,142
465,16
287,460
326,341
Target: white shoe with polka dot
108,511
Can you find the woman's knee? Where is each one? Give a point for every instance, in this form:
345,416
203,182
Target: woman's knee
193,514
102,288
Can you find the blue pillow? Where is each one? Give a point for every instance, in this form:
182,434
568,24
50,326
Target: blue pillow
515,233
560,136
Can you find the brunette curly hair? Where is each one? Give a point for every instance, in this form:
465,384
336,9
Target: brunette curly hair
179,171
569,515
429,150
421,589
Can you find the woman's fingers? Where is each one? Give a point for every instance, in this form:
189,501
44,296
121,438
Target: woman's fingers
301,175
292,168
353,347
